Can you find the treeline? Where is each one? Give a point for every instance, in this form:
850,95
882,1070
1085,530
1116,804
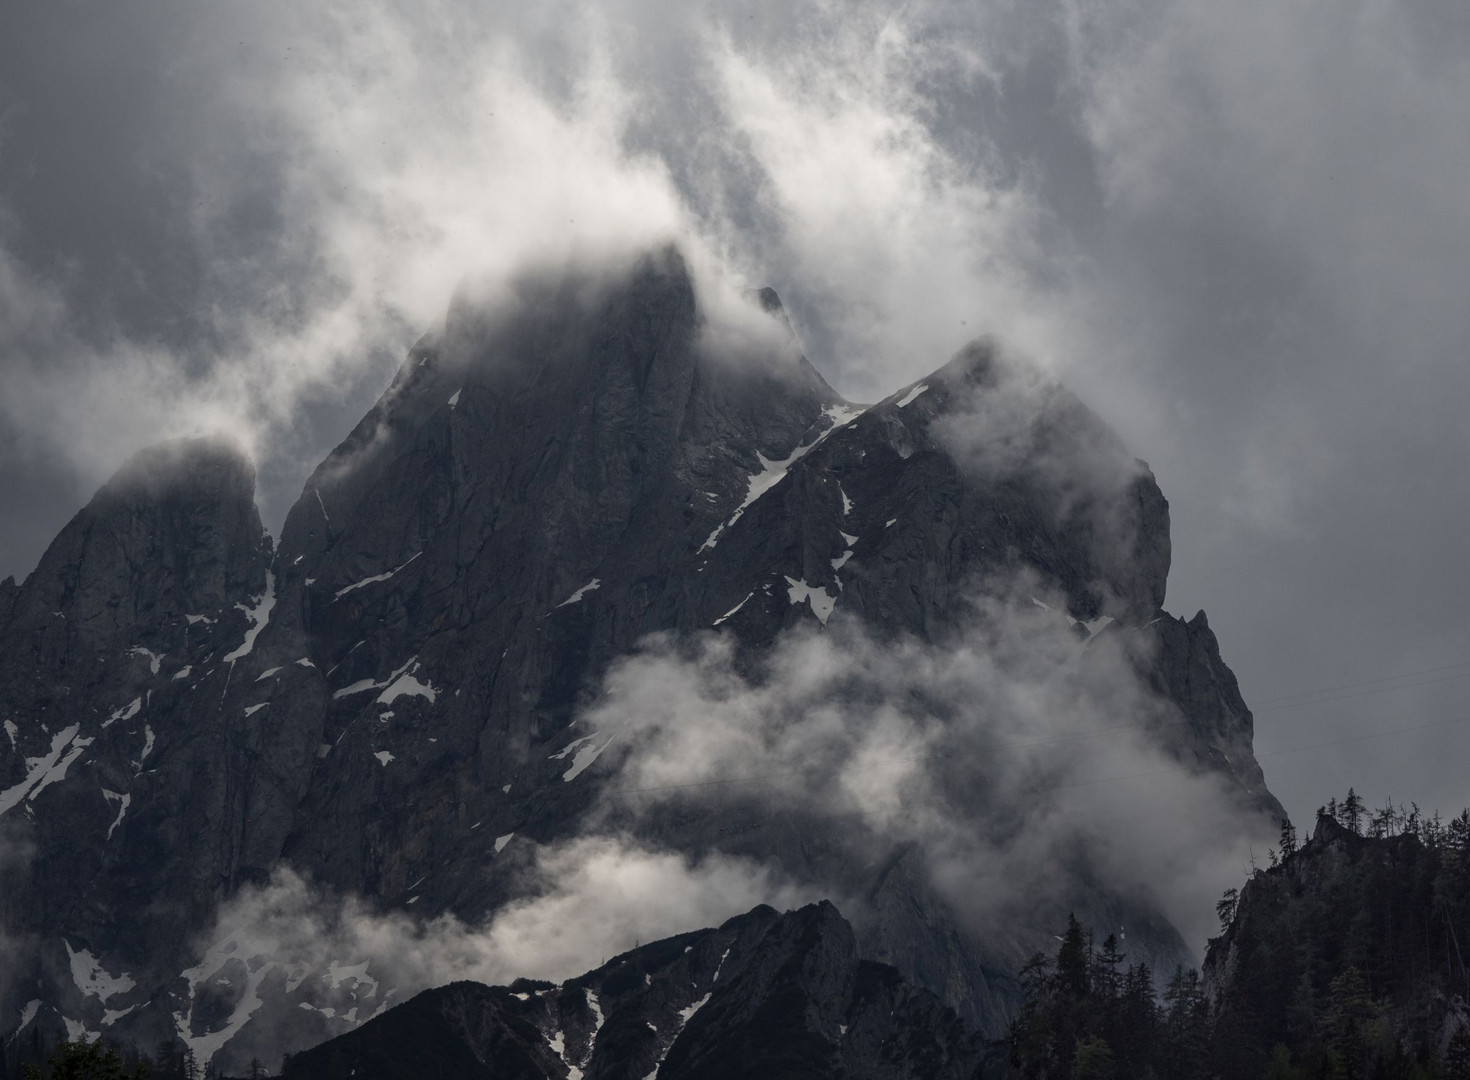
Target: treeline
1340,960
100,1060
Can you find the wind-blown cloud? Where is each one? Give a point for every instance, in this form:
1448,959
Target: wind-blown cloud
402,152
1002,754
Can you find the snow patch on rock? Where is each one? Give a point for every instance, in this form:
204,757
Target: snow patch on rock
821,601
592,585
126,712
154,659
734,609
909,397
407,686
586,755
92,978
46,769
123,800
375,578
258,615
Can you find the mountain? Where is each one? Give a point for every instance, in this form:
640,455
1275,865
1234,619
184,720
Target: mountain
765,994
399,688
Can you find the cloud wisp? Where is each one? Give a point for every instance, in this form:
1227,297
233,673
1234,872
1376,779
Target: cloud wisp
401,153
1002,754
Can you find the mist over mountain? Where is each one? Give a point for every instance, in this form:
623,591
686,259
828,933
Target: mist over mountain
609,621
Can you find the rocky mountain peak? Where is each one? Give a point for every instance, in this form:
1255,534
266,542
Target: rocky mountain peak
198,467
397,703
175,530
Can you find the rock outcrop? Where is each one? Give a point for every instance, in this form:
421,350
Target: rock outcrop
1346,956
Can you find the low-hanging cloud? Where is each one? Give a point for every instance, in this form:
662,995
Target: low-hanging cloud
582,902
593,897
1002,754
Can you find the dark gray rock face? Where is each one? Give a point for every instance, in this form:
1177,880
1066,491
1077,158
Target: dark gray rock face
388,692
119,771
764,995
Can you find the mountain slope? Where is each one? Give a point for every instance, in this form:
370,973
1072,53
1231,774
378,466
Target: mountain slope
762,995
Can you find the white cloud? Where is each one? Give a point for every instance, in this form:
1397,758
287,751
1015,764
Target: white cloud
585,899
1018,758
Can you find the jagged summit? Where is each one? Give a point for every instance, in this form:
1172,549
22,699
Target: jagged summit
177,467
174,530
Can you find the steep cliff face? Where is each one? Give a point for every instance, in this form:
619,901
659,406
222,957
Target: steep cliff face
96,653
762,995
539,489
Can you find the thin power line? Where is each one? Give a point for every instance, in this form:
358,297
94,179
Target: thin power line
1285,698
1365,693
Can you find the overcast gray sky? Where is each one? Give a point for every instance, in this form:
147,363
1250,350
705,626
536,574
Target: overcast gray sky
1241,232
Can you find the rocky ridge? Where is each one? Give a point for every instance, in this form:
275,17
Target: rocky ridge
765,994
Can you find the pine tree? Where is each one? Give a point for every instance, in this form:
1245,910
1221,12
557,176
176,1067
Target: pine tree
169,1061
1225,908
1280,1066
86,1061
1030,1036
1288,839
1457,1056
1135,1031
1352,812
1072,960
1094,1060
1384,822
1186,1025
1349,1008
1107,978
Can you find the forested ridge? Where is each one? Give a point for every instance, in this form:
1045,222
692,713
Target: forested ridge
1342,958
